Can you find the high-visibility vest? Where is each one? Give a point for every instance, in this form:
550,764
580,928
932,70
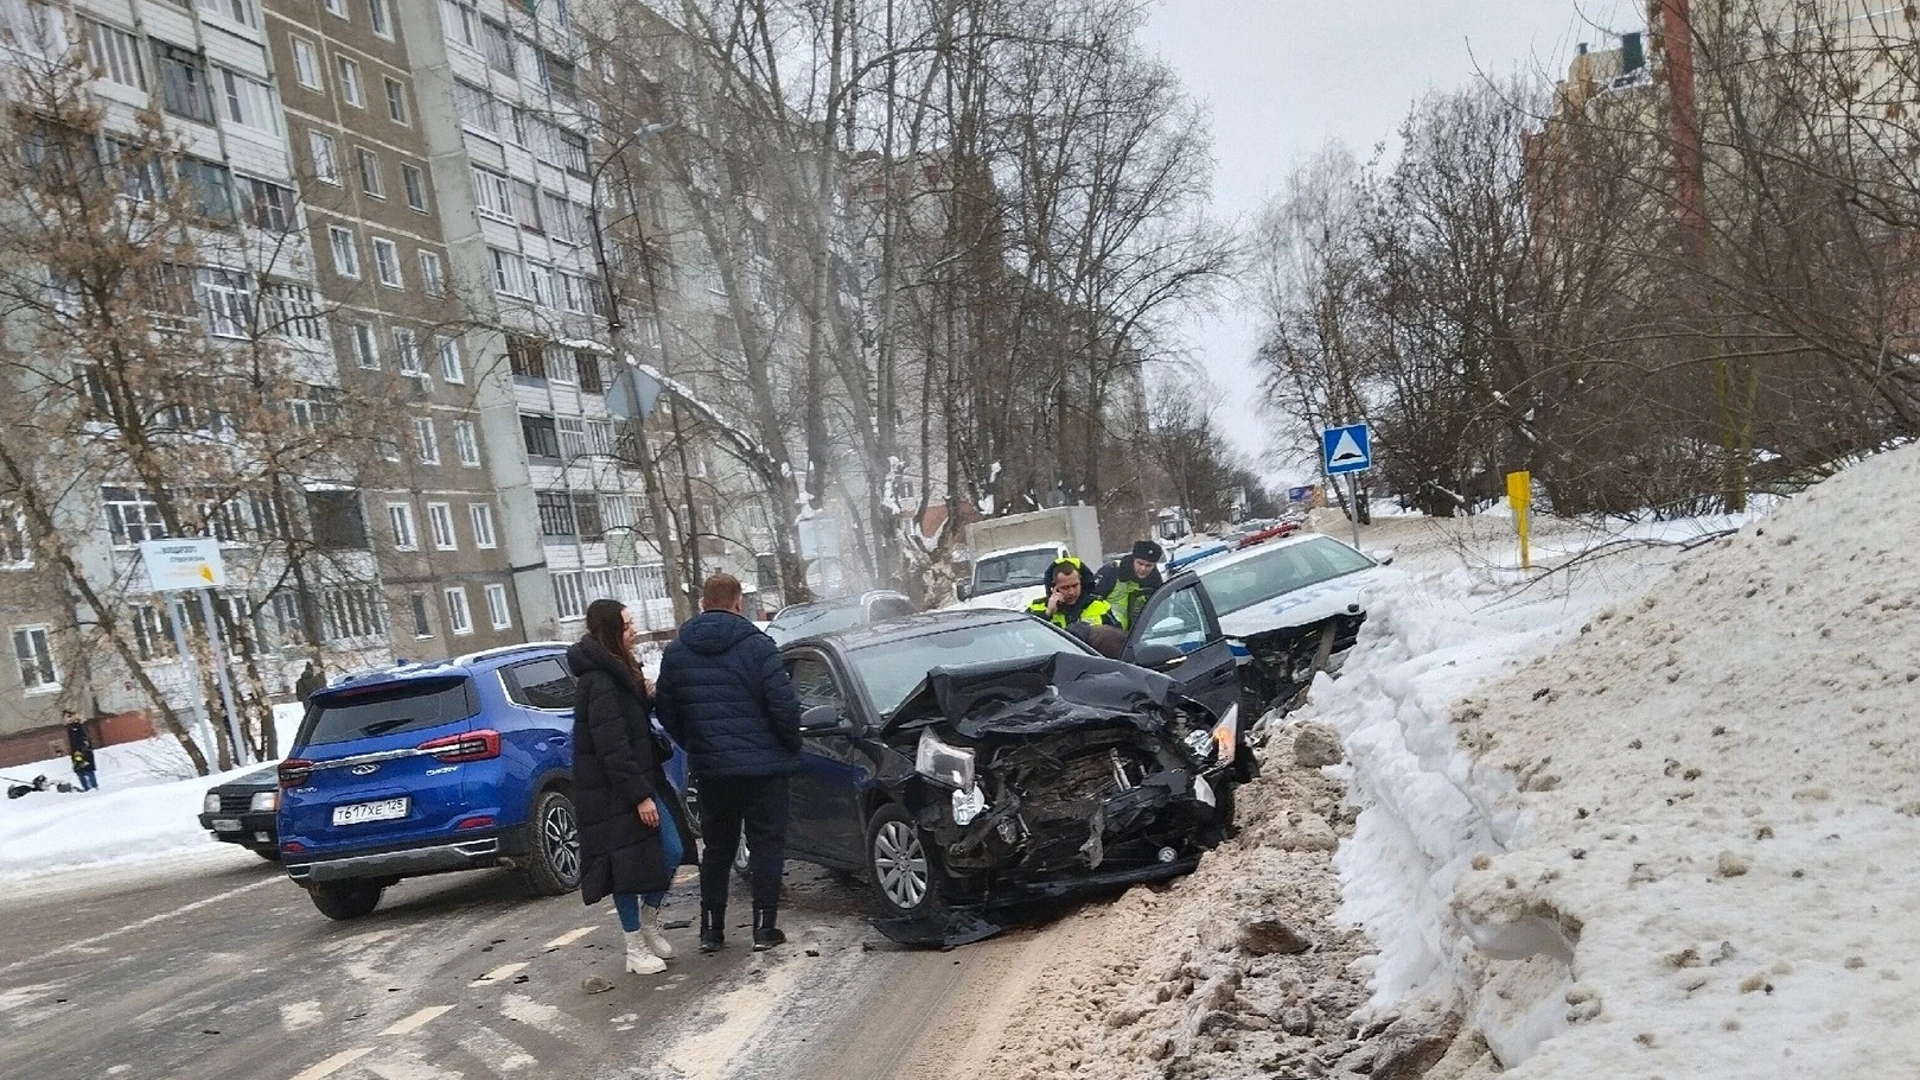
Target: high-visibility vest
1096,611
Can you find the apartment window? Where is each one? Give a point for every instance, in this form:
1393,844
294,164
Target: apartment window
240,11
540,284
115,53
567,599
600,439
509,273
556,513
460,23
432,274
586,516
400,519
492,194
143,173
346,251
572,437
440,520
290,310
482,515
33,648
131,516
466,444
270,206
370,172
562,79
396,99
354,613
407,348
336,8
152,632
326,163
377,18
247,103
428,442
525,358
386,261
459,619
422,626
415,186
350,89
538,432
306,63
227,300
573,153
497,607
183,83
451,368
15,552
366,352
657,209
573,292
526,205
476,108
497,42
591,372
210,187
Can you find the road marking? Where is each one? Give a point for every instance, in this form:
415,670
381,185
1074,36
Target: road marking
418,1020
334,1064
570,937
141,924
498,974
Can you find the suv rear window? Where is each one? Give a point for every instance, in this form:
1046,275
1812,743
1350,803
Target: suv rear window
541,684
386,708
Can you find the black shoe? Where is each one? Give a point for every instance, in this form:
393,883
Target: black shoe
765,934
712,930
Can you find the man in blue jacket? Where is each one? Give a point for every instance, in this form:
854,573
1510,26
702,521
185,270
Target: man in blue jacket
724,696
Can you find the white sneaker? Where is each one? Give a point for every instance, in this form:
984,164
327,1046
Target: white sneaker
640,959
656,941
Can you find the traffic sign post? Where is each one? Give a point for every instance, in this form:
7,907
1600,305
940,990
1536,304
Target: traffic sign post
1520,498
193,564
1348,451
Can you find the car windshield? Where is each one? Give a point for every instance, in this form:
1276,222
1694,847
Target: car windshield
1279,571
387,708
892,669
1016,571
805,620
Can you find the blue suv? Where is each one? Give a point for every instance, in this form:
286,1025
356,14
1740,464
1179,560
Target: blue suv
427,768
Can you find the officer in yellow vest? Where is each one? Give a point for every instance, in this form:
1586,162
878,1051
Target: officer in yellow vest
1125,584
1070,603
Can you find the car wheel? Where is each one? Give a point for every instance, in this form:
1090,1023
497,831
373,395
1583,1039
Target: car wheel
554,866
742,858
346,901
898,866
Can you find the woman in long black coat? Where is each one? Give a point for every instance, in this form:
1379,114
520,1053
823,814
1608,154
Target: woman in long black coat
633,828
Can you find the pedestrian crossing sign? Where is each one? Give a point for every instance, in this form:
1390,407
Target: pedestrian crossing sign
1347,449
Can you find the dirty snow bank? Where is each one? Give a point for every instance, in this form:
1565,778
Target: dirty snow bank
1690,851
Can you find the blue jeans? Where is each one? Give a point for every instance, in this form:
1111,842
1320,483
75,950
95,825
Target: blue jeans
626,904
89,780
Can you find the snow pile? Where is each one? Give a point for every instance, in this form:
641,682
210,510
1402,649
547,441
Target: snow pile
146,808
1688,836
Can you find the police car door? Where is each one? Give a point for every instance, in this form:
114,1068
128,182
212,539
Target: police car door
1180,615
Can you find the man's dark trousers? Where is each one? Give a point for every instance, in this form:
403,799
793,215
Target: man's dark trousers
726,803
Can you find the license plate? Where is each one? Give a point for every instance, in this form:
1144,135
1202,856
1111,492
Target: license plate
361,813
226,824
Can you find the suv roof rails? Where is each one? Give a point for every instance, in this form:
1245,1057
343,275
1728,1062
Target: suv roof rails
507,650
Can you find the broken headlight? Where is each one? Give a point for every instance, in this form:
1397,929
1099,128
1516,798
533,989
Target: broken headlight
1219,742
950,765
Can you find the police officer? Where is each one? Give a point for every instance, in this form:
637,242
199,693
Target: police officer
80,752
1125,584
1070,602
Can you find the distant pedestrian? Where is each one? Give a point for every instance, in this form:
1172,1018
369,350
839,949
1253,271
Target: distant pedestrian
724,695
1126,584
633,828
310,680
80,751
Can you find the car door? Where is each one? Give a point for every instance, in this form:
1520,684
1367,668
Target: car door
826,822
1181,615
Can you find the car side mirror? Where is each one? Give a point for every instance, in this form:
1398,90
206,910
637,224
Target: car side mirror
823,720
962,590
1384,556
1158,657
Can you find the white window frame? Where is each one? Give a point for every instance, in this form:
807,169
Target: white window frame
459,614
352,90
406,345
115,54
246,102
569,603
413,184
440,525
367,163
485,118
400,527
366,346
493,195
306,64
36,640
326,157
509,273
396,92
226,301
386,262
348,267
433,274
460,23
466,444
336,8
16,553
422,622
499,612
481,515
426,442
380,19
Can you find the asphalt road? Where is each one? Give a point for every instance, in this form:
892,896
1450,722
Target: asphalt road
216,966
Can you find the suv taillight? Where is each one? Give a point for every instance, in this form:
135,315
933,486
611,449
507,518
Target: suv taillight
471,746
294,772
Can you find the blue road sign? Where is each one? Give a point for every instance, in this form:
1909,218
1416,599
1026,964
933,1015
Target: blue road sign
1347,449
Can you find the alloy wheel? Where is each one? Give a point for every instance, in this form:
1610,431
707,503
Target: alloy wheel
562,836
901,864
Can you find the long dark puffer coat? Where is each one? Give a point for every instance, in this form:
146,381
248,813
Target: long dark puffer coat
614,771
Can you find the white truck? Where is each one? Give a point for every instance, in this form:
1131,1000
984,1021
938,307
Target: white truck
1011,554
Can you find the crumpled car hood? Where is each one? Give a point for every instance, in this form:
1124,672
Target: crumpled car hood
1037,695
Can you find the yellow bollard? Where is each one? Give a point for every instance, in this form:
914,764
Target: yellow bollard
1520,497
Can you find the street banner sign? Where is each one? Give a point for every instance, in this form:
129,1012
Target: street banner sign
191,562
1347,449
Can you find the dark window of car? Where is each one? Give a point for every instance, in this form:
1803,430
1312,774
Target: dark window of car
893,669
889,607
813,681
540,684
1279,571
362,712
805,620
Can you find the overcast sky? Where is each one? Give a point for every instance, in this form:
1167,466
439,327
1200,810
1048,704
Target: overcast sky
1283,77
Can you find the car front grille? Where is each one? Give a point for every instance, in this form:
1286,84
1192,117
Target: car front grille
235,802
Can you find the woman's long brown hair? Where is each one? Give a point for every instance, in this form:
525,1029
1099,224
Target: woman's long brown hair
607,624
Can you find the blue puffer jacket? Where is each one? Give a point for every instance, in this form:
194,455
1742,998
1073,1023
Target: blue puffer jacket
724,696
